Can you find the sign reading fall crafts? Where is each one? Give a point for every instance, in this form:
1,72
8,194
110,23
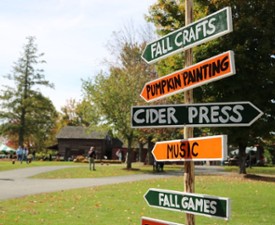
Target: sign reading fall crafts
209,70
201,31
195,115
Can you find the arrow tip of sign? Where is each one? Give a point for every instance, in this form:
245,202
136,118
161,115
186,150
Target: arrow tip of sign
145,60
141,95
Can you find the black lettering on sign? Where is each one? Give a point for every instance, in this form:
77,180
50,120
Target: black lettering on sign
205,71
182,150
162,86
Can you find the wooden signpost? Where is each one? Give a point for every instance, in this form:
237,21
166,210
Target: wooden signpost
191,115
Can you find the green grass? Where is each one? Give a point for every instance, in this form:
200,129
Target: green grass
252,201
123,204
7,164
83,172
254,170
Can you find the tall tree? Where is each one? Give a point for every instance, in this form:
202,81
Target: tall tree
253,42
23,108
114,94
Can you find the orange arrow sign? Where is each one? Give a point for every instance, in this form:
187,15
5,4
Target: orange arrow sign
151,221
192,149
209,70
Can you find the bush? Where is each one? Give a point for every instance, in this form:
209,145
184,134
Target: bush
268,157
81,159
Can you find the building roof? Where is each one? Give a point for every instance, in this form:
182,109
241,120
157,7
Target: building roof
73,132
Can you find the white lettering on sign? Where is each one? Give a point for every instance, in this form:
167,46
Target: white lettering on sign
215,114
202,29
186,36
149,116
168,200
199,205
160,48
188,203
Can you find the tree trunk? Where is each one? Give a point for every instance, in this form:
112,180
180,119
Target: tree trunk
129,154
21,132
149,152
242,158
140,148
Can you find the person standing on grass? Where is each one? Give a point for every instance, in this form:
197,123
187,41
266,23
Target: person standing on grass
19,153
25,154
92,156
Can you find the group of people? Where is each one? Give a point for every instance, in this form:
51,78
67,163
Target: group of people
23,154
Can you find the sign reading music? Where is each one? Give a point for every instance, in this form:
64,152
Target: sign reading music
192,149
215,68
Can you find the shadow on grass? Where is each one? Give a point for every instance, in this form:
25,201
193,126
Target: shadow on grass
264,178
150,170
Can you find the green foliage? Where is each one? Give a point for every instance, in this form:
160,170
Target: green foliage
253,42
28,116
40,122
75,114
268,157
111,95
167,16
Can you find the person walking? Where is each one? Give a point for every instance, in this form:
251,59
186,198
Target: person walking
92,156
25,154
19,153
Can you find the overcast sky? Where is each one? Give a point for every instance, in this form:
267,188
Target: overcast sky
72,33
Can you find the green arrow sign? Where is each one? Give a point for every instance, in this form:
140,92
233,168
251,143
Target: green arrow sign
196,115
201,31
190,203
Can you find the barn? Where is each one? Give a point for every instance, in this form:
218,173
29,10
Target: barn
76,140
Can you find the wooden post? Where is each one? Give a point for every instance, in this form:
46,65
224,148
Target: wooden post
189,173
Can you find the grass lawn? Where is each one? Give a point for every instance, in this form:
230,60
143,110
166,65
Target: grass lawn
7,164
254,170
252,201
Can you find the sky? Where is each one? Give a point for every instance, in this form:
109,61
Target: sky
73,34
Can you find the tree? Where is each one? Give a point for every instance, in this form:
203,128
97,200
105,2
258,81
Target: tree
69,115
25,112
253,41
113,94
40,126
